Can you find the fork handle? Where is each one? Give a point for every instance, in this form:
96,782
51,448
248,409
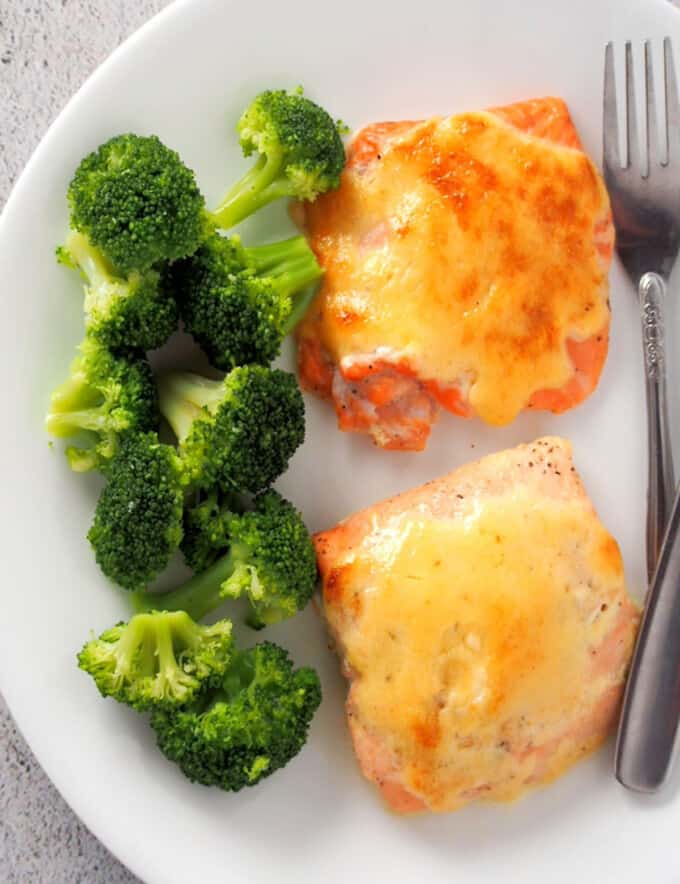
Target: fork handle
651,706
661,476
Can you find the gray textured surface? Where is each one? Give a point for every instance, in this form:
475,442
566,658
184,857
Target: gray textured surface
47,49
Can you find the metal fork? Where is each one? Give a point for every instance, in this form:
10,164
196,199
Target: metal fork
645,196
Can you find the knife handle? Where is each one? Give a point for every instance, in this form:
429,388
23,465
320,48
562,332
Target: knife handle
651,706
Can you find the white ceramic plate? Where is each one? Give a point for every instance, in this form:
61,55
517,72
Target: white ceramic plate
186,76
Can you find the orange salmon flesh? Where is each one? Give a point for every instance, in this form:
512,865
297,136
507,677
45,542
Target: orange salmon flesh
466,263
484,627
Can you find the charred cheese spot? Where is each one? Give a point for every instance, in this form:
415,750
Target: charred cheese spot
427,731
334,586
609,556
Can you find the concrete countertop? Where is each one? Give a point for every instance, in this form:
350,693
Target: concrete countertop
48,48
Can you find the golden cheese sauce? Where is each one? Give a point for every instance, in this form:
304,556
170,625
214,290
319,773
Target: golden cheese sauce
467,250
474,641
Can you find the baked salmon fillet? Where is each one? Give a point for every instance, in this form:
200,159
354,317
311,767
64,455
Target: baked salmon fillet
485,629
466,262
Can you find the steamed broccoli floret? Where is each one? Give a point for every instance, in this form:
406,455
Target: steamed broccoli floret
138,203
265,554
301,154
274,560
252,725
240,303
159,659
238,433
105,397
135,311
138,520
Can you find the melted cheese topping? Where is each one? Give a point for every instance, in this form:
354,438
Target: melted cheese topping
475,643
467,249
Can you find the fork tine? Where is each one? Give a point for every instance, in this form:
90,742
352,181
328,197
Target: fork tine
632,141
610,120
653,154
672,103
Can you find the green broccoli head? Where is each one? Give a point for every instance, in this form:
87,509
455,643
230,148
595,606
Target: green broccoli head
138,520
158,660
105,398
238,433
249,727
264,554
299,137
233,322
240,303
273,558
138,203
301,154
121,312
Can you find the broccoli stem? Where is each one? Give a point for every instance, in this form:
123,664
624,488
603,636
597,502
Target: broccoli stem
183,395
81,460
197,597
252,192
167,663
149,645
63,424
293,267
173,636
268,257
300,307
75,394
88,259
292,276
296,279
136,646
75,406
